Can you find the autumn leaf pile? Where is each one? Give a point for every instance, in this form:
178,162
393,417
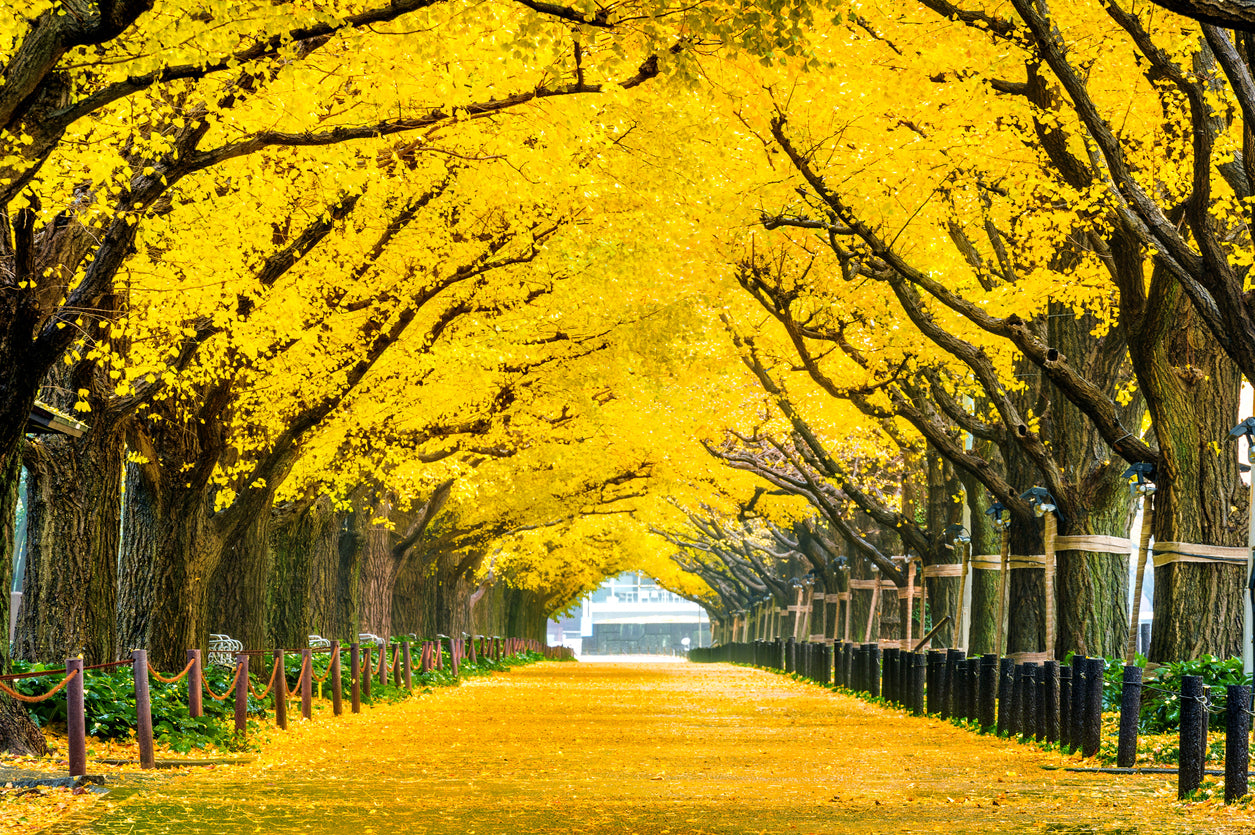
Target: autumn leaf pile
662,748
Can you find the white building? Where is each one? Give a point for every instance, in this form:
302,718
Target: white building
631,614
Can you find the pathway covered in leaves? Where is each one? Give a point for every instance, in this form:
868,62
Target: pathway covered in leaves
675,748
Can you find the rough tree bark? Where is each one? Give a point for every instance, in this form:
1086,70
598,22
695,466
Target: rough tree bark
304,576
237,598
69,593
1192,389
18,734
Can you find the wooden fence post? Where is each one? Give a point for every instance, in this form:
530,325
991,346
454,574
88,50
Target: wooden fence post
195,692
281,690
355,676
241,695
409,666
143,709
76,718
337,687
307,683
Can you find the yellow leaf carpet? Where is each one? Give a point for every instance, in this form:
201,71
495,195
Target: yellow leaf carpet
647,748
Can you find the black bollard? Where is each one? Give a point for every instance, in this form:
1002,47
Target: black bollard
906,681
1080,675
988,691
1130,709
873,679
1050,697
1006,672
790,656
919,667
859,675
958,690
825,664
1065,707
1193,738
936,684
1092,728
971,707
1028,701
1016,719
892,659
949,704
1237,741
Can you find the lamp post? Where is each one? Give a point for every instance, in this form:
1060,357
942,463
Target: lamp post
1247,428
1001,519
1044,505
962,540
1140,484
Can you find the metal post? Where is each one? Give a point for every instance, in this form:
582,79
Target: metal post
1130,709
337,687
76,718
1237,741
143,709
240,699
195,692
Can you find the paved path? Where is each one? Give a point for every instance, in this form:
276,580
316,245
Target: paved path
649,749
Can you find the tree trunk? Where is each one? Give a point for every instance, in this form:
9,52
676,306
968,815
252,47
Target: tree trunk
1192,390
379,571
188,550
69,593
1091,588
304,574
237,594
349,547
981,636
18,734
141,515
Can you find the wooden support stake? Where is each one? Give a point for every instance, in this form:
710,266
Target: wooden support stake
280,691
76,718
143,709
195,693
240,698
307,684
337,686
355,677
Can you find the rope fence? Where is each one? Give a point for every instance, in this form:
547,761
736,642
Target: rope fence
241,686
1044,702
